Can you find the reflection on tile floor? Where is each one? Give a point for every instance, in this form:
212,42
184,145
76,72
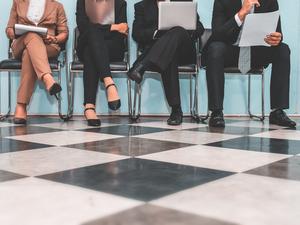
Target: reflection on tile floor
148,173
129,146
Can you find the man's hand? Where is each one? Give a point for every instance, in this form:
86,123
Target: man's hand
247,7
274,39
11,33
50,39
121,28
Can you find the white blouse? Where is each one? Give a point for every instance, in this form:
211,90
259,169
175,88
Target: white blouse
36,10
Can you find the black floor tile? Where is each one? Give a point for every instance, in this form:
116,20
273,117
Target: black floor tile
40,120
130,146
232,130
138,178
7,176
281,146
126,130
154,215
285,169
10,145
24,130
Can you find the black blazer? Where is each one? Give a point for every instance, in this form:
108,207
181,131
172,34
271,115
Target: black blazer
146,23
224,26
84,24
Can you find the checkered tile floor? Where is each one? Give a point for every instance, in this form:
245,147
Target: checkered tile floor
55,173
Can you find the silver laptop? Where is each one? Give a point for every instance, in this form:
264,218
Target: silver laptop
172,14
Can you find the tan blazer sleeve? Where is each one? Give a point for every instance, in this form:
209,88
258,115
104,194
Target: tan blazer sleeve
13,18
62,26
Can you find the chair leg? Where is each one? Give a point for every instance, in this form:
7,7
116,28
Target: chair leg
194,99
61,115
262,117
136,111
129,97
71,94
6,115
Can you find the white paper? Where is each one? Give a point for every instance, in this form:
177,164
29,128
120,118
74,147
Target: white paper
256,27
21,29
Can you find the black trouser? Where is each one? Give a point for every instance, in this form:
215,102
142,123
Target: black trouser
220,55
97,56
173,49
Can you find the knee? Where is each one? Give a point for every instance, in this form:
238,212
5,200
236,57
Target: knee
283,52
216,50
178,31
32,37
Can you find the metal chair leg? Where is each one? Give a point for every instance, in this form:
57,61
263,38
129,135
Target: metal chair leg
71,94
129,98
136,111
61,115
6,115
262,117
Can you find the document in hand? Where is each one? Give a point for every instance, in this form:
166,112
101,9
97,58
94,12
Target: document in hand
21,29
256,27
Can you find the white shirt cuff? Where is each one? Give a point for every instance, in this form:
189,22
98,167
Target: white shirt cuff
238,20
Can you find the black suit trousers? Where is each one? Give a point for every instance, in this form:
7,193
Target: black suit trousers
219,55
174,48
97,55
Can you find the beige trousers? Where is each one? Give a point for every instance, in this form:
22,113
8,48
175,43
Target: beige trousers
34,53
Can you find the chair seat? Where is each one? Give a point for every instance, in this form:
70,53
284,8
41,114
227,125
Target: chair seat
184,69
255,71
187,68
115,66
14,64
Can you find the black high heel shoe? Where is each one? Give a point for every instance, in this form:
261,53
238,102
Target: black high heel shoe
92,122
114,105
54,90
20,121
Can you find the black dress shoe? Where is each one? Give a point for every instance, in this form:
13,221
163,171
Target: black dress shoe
92,122
136,73
175,118
20,121
217,119
113,105
55,89
279,117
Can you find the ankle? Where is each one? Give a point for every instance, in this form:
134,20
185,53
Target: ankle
176,109
48,80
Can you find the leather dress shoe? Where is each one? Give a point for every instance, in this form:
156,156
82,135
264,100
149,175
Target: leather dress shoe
217,119
20,121
136,73
279,117
175,118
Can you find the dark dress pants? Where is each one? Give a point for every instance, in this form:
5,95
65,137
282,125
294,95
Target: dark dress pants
97,56
173,49
219,55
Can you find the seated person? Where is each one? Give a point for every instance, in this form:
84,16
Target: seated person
175,47
101,41
223,51
33,49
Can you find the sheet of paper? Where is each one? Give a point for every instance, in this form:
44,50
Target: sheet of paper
21,29
256,27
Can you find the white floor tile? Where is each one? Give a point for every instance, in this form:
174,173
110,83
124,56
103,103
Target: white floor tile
242,199
33,201
163,124
280,134
64,137
50,160
216,158
71,125
192,137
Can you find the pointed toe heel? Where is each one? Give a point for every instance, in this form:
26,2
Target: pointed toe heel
113,105
92,122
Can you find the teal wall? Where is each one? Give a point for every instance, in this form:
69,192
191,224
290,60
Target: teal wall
153,100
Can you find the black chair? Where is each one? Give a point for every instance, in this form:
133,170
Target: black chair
12,65
235,70
76,67
191,70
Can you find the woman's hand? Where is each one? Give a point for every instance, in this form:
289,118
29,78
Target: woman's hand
274,39
50,39
11,33
121,28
